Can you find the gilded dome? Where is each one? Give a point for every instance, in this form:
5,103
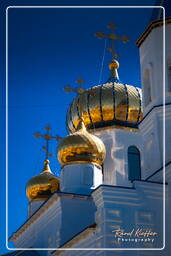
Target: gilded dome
112,103
81,147
43,185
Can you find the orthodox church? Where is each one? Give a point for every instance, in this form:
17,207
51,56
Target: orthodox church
112,197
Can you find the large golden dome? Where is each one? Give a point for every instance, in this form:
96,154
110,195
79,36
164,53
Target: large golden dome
112,103
81,147
43,185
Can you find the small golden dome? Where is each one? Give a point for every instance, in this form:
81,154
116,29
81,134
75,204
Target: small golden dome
81,147
42,186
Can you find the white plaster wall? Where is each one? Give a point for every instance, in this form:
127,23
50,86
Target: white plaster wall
139,207
44,231
152,128
34,206
117,141
151,54
77,214
151,159
57,222
167,142
80,178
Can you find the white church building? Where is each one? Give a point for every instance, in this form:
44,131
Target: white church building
115,178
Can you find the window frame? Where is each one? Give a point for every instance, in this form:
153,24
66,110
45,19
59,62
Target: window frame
139,163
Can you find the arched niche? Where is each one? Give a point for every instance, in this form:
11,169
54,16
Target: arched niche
147,85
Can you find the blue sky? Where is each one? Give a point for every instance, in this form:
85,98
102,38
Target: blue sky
48,49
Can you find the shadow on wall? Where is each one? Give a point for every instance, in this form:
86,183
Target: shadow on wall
113,168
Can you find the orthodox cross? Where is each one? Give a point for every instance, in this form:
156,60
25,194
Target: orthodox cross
79,90
47,136
112,37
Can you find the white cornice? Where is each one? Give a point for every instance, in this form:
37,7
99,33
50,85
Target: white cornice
89,230
35,216
43,208
153,25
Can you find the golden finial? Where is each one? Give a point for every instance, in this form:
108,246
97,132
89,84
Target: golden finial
46,167
47,136
81,126
113,66
112,37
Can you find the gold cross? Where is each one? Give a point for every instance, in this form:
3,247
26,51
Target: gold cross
112,36
79,90
47,136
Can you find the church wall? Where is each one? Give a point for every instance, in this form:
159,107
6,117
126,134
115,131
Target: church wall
77,213
151,61
117,141
44,231
167,132
80,178
138,207
152,140
34,206
151,53
143,203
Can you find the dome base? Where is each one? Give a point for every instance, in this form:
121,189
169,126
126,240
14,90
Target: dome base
80,178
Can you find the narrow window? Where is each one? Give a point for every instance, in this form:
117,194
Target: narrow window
134,165
169,74
147,87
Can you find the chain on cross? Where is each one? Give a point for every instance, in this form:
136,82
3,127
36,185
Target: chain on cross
47,136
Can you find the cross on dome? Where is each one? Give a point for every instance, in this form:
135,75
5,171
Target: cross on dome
79,90
112,37
47,136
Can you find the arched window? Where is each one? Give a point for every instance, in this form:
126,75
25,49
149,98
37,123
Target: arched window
169,74
134,164
147,86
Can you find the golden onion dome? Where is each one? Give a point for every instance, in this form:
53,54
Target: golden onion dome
112,103
81,147
42,186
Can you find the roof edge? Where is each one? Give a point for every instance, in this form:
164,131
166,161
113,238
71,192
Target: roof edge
151,26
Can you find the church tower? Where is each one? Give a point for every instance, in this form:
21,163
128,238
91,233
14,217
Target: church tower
82,155
155,61
112,111
40,187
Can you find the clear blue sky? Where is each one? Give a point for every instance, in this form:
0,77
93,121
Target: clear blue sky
48,49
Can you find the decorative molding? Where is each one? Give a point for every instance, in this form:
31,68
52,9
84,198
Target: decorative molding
43,208
82,235
153,24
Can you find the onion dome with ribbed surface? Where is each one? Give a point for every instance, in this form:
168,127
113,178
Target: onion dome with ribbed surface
109,104
42,186
81,147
